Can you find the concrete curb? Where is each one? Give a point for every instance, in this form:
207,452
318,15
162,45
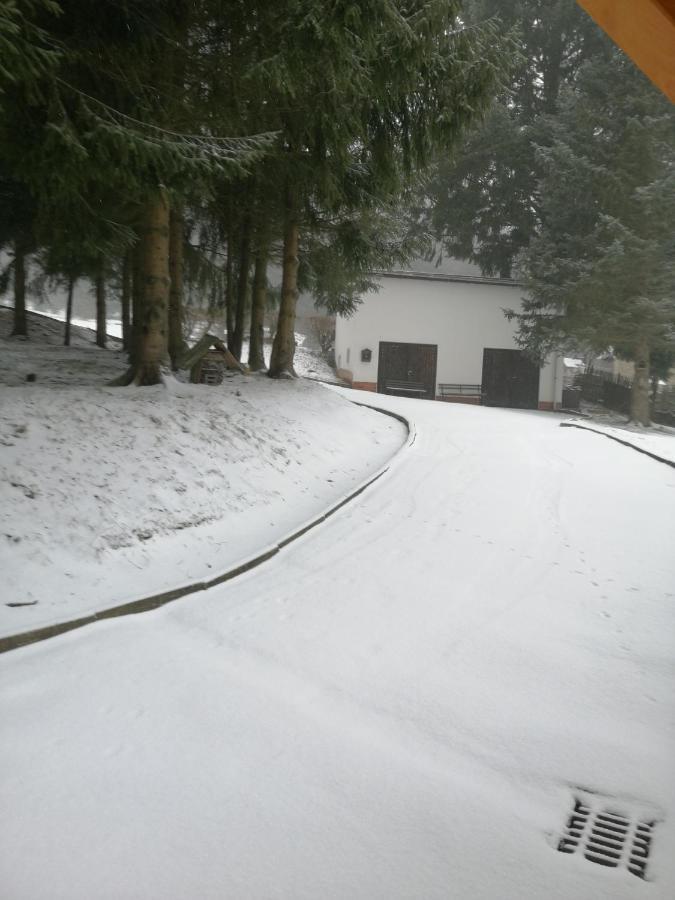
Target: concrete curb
14,641
611,437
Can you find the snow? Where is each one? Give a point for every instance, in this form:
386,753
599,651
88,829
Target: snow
401,704
111,494
657,439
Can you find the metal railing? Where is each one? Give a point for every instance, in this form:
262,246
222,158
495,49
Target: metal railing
614,392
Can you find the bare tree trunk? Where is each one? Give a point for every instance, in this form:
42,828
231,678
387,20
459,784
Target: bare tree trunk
136,300
176,342
256,353
127,287
153,314
101,331
242,288
20,328
283,348
69,309
229,291
639,398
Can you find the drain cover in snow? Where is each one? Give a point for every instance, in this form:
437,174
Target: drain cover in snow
606,837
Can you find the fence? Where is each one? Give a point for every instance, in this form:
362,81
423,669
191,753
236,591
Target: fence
663,406
612,392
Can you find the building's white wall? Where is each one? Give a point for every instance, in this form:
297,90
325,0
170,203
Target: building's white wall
551,380
460,318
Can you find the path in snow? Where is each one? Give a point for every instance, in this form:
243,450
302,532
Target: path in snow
400,705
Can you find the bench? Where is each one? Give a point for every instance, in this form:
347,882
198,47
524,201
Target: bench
460,391
413,388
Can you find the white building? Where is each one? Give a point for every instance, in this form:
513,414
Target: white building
444,337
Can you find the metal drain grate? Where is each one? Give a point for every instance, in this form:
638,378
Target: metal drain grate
608,838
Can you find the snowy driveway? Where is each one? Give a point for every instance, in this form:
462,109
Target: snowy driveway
403,704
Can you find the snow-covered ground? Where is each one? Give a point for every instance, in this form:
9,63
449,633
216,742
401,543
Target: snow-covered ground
109,494
402,705
657,439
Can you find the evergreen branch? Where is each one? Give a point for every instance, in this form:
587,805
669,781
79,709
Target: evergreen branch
213,145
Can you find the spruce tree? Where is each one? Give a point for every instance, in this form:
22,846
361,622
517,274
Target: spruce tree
601,272
484,199
362,98
110,136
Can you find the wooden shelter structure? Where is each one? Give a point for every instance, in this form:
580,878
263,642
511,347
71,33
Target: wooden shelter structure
645,30
208,361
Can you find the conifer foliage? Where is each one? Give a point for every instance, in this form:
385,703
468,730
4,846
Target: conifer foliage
484,199
238,131
601,271
568,182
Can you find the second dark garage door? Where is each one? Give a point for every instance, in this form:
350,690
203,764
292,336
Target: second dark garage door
510,378
407,370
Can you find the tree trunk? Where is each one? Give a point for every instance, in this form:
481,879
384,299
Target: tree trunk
639,398
229,292
152,353
283,348
20,328
101,333
242,288
127,287
136,300
69,310
216,299
552,70
176,342
256,354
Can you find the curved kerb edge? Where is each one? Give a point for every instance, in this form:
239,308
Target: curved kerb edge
611,437
14,641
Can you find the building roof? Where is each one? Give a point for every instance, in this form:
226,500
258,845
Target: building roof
441,267
431,276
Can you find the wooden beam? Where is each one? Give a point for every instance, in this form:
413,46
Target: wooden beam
645,30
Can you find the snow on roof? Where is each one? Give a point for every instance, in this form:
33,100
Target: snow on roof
445,268
467,279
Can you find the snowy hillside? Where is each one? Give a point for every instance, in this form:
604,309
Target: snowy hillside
111,494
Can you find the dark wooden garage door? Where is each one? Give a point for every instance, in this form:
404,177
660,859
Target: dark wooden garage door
407,370
510,379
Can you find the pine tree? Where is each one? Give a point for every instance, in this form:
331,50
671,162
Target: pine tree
601,272
484,199
362,98
108,137
256,355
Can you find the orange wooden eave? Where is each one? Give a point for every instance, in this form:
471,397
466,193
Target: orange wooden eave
645,30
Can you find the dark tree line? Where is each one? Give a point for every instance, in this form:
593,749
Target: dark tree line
159,147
